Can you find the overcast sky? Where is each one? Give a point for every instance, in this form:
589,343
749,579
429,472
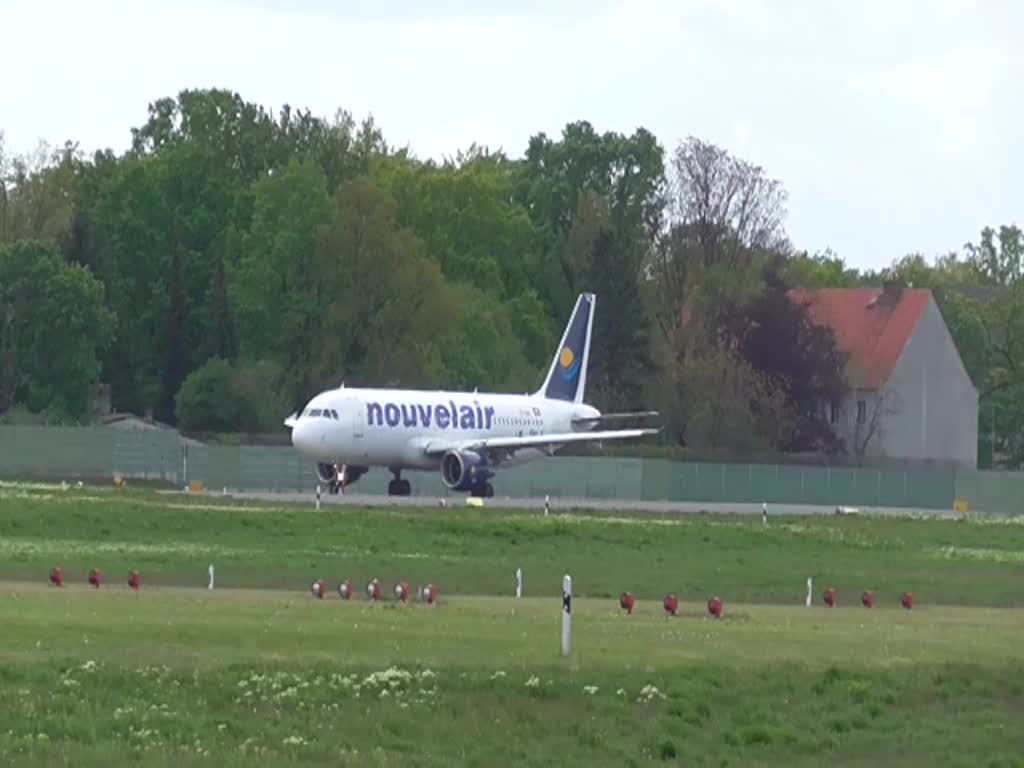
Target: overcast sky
895,125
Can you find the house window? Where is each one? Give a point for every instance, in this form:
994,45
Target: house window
833,412
862,412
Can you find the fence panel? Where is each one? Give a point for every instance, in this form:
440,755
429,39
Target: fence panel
55,453
992,492
148,455
67,453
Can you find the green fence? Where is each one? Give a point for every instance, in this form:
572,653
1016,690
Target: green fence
988,491
99,453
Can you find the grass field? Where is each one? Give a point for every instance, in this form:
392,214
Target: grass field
263,674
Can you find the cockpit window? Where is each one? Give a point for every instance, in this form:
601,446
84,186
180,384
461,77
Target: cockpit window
334,414
314,412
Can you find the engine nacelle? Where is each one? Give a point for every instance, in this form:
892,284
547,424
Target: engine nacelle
464,471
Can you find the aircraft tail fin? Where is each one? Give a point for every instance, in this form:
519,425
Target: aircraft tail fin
567,376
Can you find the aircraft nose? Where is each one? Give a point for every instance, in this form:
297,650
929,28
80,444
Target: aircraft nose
303,437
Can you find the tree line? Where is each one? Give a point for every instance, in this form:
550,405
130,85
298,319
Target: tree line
232,262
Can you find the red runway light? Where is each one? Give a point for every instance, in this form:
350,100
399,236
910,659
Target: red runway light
626,602
373,590
402,592
715,607
429,595
671,604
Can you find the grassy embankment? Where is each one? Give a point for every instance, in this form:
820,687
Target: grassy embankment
249,676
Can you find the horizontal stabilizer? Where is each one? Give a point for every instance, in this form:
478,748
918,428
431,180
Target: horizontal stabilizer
614,417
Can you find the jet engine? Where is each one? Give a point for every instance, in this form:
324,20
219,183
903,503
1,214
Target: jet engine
465,471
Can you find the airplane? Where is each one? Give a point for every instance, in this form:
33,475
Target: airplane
466,436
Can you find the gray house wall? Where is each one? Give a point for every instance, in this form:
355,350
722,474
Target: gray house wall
935,402
859,437
926,413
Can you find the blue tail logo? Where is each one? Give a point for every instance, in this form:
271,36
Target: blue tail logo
570,364
568,373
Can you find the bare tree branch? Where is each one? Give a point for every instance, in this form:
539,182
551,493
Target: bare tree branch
883,406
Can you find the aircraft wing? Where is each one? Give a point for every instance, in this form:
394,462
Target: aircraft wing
550,442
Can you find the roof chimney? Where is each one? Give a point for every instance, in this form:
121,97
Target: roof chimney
892,288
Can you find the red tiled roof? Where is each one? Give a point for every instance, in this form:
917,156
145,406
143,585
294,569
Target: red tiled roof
871,328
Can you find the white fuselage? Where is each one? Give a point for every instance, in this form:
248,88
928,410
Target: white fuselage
391,427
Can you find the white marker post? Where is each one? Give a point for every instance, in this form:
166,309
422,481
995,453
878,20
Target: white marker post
318,497
764,512
519,582
211,577
547,504
566,613
808,591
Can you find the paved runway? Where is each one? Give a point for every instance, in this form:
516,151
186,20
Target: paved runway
583,504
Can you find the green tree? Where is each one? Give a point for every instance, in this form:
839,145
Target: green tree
627,170
822,270
620,354
391,307
221,397
728,409
481,349
466,218
36,193
53,326
207,400
284,280
999,256
133,227
724,220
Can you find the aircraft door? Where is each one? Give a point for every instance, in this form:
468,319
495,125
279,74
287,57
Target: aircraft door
358,418
353,420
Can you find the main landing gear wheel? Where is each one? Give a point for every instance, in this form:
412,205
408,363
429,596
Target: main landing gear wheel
399,487
486,491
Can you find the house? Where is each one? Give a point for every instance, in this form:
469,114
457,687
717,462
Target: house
910,400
